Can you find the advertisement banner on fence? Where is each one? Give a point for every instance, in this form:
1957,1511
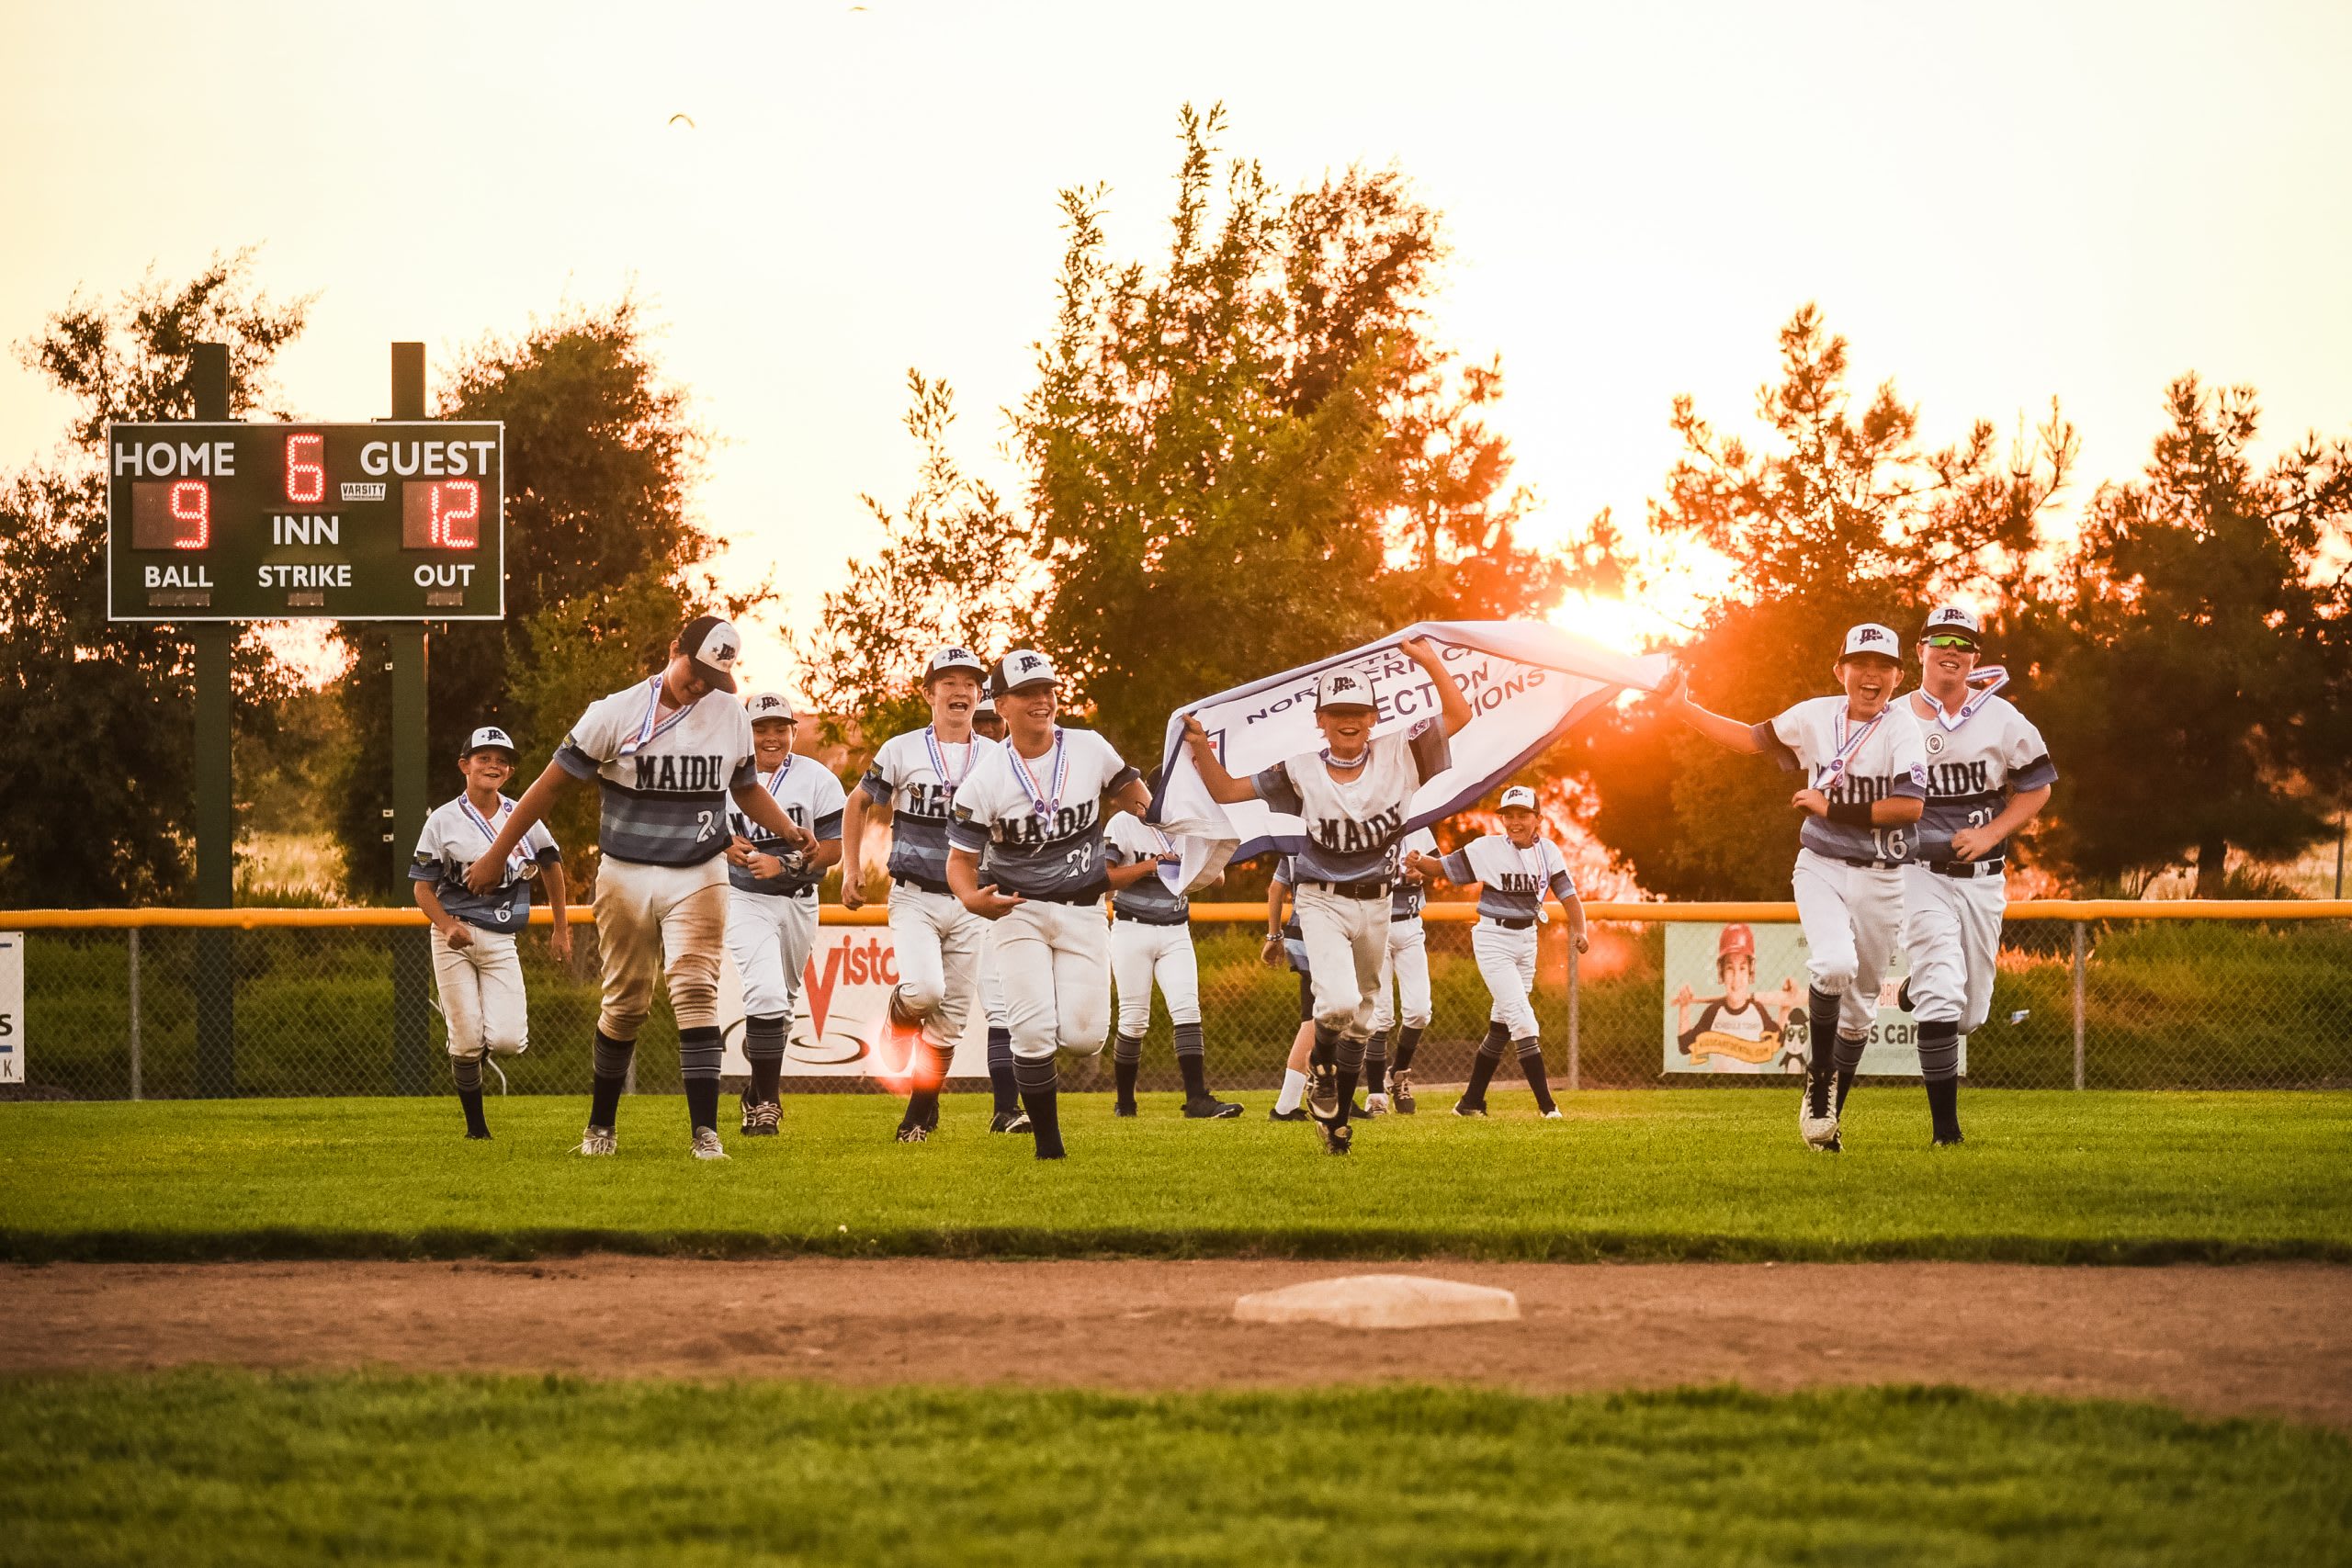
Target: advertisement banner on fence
1736,1003
838,1030
12,1006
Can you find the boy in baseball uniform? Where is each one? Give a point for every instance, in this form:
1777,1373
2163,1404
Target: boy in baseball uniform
475,967
1285,945
1034,806
1866,775
913,784
772,897
1151,944
1988,773
1352,796
1515,870
668,754
1403,1001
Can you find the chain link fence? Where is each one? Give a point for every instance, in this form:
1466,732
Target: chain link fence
2244,996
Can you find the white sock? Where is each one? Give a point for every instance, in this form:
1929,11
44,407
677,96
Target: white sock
1293,1089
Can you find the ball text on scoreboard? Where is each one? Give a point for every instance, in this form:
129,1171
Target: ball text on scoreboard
398,520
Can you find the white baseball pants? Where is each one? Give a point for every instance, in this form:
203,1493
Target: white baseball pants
1407,965
938,943
1347,940
652,919
1507,963
1053,962
1142,956
1953,933
1852,916
770,935
482,994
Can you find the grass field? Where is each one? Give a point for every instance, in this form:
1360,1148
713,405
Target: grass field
211,1467
2045,1177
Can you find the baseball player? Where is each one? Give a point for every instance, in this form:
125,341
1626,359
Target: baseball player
1866,784
912,784
989,725
1034,806
475,967
1988,773
1514,869
1352,796
1403,1001
1285,944
772,899
668,753
1151,943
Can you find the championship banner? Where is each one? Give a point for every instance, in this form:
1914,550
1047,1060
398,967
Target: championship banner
1736,1003
837,1029
1528,685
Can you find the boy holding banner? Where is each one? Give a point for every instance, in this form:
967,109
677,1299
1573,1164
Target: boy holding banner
1353,796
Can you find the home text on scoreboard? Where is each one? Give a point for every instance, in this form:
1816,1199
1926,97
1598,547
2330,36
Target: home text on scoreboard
393,521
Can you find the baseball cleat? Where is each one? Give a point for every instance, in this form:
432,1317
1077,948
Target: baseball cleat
1009,1121
1376,1105
1553,1114
474,1137
1209,1107
760,1120
707,1145
1323,1091
1400,1091
1295,1113
915,1134
1339,1137
1819,1131
1951,1143
1465,1108
597,1140
1125,1107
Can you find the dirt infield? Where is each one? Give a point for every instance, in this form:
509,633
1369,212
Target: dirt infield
2273,1339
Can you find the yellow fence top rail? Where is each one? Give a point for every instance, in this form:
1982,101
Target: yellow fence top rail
1211,914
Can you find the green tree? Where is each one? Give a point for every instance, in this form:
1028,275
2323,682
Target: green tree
2202,650
601,459
1844,515
92,712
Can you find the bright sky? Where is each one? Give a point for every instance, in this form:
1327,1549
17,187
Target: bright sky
1995,203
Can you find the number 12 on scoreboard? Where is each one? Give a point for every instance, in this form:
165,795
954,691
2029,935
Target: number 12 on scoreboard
441,515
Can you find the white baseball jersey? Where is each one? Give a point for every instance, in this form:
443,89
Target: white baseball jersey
1405,899
453,838
666,776
1039,820
1511,881
1974,764
812,799
1882,758
1127,839
917,774
1353,828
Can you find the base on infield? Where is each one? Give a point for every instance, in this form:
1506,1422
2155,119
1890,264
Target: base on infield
1380,1301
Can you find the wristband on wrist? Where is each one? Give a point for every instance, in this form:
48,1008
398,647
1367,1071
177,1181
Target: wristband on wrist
1853,813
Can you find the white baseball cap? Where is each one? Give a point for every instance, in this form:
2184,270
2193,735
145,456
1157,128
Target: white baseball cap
1872,637
1343,689
711,645
770,704
986,706
1518,794
1953,618
488,734
951,658
1024,667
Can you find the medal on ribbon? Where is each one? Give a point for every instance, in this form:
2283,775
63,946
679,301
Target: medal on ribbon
939,761
1543,915
518,864
1990,679
650,730
1846,749
1042,806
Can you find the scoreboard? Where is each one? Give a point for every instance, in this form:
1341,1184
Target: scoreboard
393,521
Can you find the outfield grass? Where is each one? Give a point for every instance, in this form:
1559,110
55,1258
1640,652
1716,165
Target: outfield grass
2046,1177
210,1467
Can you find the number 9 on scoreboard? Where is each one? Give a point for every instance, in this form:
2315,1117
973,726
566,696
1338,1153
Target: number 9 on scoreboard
441,515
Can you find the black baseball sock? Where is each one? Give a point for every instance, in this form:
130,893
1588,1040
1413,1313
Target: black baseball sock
700,1050
702,1103
1375,1064
1821,1074
1943,1108
1039,1096
1939,1066
1351,1062
467,1072
764,1049
1127,1061
1191,1061
611,1076
1001,1083
1845,1088
1539,1078
1850,1062
1483,1065
1408,1040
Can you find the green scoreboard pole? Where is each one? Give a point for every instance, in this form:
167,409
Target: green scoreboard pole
216,816
411,954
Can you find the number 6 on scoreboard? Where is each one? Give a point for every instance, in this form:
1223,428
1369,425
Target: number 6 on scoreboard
306,470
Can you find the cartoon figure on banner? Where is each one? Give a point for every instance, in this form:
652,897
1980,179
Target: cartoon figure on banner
1743,1024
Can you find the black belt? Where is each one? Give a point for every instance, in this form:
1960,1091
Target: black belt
1353,889
1870,864
1966,870
1397,920
1091,894
1511,922
925,884
1119,914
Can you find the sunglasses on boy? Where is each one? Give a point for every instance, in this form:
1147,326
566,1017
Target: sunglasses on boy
1945,639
